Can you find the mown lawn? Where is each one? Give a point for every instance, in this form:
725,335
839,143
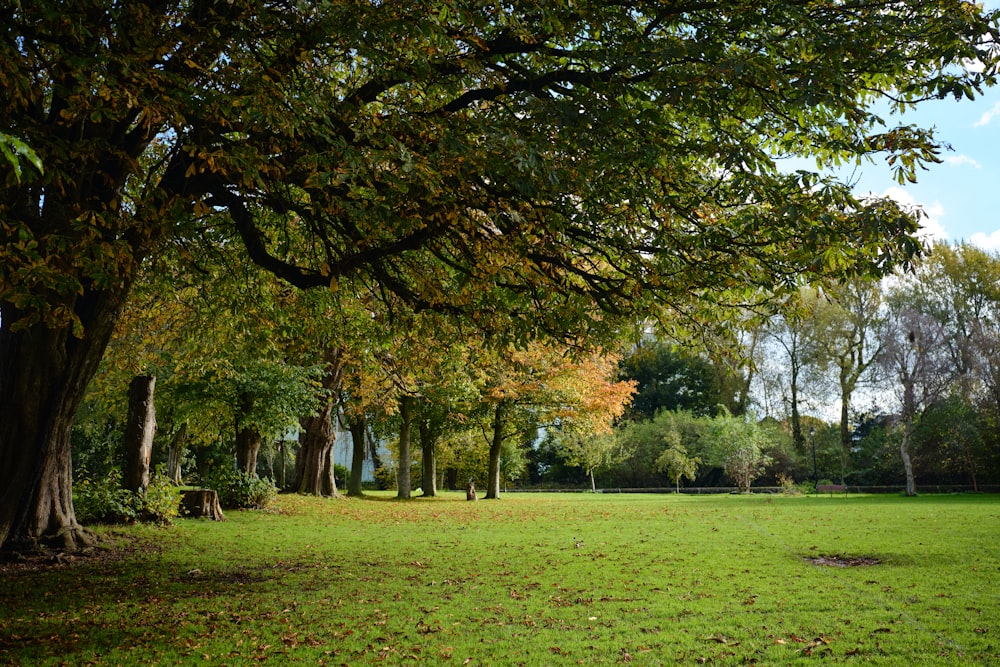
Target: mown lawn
533,579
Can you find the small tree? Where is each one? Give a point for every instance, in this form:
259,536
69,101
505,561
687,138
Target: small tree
589,451
675,462
740,446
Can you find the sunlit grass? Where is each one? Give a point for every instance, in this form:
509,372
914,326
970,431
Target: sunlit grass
532,579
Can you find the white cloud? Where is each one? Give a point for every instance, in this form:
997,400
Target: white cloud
931,228
988,116
959,160
986,242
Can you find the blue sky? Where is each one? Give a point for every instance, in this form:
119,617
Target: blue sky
960,196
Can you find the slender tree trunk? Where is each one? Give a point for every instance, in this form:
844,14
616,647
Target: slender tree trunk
909,410
139,431
798,438
403,484
248,440
428,461
593,484
175,454
44,373
358,429
904,451
493,475
845,432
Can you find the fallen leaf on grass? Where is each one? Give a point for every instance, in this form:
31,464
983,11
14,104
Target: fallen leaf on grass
722,639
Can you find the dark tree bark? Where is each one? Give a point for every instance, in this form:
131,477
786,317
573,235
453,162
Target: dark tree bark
428,460
403,484
316,454
43,375
198,503
314,465
248,439
139,431
499,424
358,428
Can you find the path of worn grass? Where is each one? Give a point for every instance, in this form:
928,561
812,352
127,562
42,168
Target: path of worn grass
532,579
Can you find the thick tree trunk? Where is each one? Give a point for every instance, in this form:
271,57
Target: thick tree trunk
198,503
43,376
403,483
175,454
316,453
314,465
428,461
493,474
358,429
139,431
248,440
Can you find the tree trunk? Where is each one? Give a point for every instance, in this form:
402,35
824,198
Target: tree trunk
316,452
403,484
428,462
198,503
904,451
593,484
139,431
909,410
845,432
798,438
493,475
175,453
44,373
247,438
314,465
358,429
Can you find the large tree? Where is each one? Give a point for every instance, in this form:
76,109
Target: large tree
503,160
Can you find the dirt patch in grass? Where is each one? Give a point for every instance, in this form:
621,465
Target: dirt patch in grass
112,548
838,560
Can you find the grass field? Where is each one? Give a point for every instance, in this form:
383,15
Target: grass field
533,579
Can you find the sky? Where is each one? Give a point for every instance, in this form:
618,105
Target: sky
961,195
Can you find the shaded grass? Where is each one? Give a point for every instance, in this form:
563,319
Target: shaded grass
544,579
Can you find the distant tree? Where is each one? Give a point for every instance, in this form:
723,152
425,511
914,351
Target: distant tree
914,353
848,325
668,378
739,445
675,463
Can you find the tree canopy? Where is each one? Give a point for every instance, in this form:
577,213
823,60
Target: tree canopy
531,167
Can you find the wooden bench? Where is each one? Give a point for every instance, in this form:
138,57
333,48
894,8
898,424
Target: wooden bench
823,488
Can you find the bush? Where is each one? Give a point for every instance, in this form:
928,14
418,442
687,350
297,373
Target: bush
240,490
342,475
103,500
163,499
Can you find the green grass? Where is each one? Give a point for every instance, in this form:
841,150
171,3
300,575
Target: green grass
547,579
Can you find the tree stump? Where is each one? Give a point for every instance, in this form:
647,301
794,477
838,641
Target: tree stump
470,491
202,503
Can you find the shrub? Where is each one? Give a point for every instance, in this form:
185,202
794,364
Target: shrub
342,474
163,499
103,500
788,485
240,490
